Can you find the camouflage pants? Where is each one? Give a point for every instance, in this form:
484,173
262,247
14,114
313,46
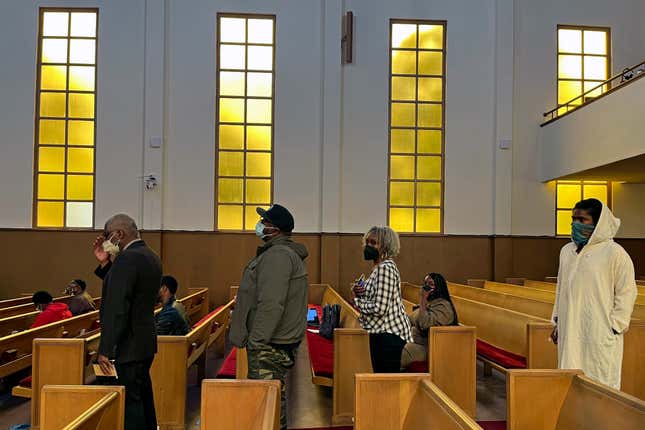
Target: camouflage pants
267,362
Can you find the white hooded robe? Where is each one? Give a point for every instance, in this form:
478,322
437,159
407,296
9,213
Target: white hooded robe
595,294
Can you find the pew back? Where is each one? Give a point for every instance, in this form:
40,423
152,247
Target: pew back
72,407
7,303
27,307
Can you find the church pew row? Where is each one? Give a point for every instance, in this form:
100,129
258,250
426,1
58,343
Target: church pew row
27,307
551,286
72,407
18,323
240,404
7,303
567,400
451,359
406,401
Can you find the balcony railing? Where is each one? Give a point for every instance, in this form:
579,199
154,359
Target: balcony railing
627,76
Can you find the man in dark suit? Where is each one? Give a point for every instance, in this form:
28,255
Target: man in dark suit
131,274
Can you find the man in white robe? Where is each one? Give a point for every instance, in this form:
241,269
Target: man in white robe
595,295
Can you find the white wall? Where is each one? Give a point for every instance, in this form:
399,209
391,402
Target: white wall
629,205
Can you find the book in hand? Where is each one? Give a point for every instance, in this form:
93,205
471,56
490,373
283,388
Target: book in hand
99,372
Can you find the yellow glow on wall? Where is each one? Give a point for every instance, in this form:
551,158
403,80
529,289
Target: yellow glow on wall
568,193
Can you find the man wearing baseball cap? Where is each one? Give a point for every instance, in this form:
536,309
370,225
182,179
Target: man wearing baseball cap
270,314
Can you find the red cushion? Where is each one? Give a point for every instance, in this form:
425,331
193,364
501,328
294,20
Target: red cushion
321,354
492,425
25,382
96,324
228,369
418,367
504,358
205,317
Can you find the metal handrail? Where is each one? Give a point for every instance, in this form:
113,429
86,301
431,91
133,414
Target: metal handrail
625,77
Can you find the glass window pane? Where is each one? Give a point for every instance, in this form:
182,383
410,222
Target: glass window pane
81,78
231,137
595,68
402,219
81,133
429,193
52,104
258,111
231,83
81,105
80,160
82,51
51,132
231,110
569,41
564,223
403,114
596,87
53,78
404,35
567,90
229,217
568,195
260,58
258,137
231,163
429,167
402,167
428,220
595,42
51,159
54,51
404,62
55,23
569,66
429,141
429,115
79,214
51,187
260,31
431,36
232,30
258,164
50,214
80,187
251,216
430,63
259,84
402,193
402,141
232,57
596,191
431,89
83,24
403,88
258,191
230,190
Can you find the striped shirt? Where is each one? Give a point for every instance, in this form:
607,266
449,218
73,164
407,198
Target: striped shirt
381,308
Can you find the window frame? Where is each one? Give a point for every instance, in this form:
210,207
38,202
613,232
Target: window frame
582,183
37,117
245,97
442,128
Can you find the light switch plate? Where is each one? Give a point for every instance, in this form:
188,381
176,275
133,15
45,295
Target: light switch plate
155,141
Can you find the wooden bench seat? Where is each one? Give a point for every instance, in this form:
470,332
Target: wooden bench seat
567,400
406,401
7,303
72,407
240,405
27,307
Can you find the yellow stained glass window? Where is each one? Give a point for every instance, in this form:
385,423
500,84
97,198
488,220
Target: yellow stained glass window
65,119
416,126
568,193
245,119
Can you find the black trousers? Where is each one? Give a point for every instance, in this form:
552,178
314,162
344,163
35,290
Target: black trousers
385,350
139,401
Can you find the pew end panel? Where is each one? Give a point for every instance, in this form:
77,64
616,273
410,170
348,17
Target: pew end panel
452,364
168,374
82,407
542,353
633,367
241,364
351,356
240,404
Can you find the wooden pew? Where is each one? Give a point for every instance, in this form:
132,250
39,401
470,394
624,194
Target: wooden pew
27,307
240,404
7,303
406,401
196,304
72,407
567,400
551,286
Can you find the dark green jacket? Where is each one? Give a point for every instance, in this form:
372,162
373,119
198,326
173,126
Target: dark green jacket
271,306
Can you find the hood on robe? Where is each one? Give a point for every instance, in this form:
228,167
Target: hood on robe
607,227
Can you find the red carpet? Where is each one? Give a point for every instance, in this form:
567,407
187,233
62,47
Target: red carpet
492,425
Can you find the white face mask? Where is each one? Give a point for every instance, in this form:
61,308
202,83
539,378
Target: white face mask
111,248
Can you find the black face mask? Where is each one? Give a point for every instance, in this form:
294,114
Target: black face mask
370,253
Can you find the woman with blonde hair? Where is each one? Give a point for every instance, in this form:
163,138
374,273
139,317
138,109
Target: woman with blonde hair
378,300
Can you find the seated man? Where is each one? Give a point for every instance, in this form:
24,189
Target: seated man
435,309
49,311
81,301
172,285
168,320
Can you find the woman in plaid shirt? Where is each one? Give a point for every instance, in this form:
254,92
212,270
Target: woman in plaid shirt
379,301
